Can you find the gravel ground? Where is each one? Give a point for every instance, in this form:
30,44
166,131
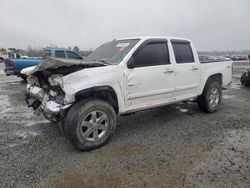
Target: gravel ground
173,146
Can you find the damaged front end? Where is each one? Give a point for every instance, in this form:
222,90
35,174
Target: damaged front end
44,92
49,103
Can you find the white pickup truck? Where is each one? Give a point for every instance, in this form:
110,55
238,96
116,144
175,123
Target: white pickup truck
120,77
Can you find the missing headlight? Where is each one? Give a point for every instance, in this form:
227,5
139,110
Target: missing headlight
55,79
53,93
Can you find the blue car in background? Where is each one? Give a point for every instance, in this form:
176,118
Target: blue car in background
14,66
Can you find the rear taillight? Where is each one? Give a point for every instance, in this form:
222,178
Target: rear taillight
10,64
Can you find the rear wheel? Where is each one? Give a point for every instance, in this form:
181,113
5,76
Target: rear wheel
90,123
210,100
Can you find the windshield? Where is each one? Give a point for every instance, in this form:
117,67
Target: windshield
112,52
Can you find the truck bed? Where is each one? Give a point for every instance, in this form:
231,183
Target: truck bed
14,66
214,61
211,67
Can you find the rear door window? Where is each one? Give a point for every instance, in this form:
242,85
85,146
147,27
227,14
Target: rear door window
60,54
152,54
72,55
183,51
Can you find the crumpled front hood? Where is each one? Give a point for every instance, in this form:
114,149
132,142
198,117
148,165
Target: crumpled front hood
54,63
92,73
87,78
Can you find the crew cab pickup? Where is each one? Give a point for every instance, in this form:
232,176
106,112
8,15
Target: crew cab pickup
120,77
15,65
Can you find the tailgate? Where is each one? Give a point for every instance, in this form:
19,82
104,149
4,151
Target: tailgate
228,73
9,66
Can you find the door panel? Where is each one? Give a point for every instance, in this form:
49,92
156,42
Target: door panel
151,81
187,80
149,85
187,70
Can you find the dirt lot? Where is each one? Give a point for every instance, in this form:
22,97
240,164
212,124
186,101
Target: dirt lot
173,146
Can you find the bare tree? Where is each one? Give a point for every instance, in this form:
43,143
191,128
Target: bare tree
76,49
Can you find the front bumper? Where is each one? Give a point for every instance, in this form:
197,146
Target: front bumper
39,100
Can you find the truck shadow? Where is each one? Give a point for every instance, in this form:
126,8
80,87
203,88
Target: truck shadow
156,119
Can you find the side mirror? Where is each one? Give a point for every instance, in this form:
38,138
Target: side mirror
131,63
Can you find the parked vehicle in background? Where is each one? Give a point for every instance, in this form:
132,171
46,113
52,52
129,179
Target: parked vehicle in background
2,58
9,53
121,77
3,55
223,57
204,58
15,55
15,65
245,78
208,58
238,57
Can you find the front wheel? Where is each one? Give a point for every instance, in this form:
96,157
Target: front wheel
90,123
210,100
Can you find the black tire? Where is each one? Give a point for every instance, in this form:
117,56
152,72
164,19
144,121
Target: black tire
204,101
61,125
24,77
81,114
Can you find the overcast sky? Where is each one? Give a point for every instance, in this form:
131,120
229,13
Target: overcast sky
211,24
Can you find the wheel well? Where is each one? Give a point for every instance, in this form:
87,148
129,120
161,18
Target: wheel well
217,77
105,93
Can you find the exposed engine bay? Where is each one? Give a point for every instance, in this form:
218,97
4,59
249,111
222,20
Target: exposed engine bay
44,91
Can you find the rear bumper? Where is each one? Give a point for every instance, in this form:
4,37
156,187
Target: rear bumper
39,100
8,72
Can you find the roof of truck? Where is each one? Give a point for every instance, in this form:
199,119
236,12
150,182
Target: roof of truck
154,37
47,49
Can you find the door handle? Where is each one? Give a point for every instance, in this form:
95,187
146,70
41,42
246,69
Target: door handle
133,84
194,69
167,71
